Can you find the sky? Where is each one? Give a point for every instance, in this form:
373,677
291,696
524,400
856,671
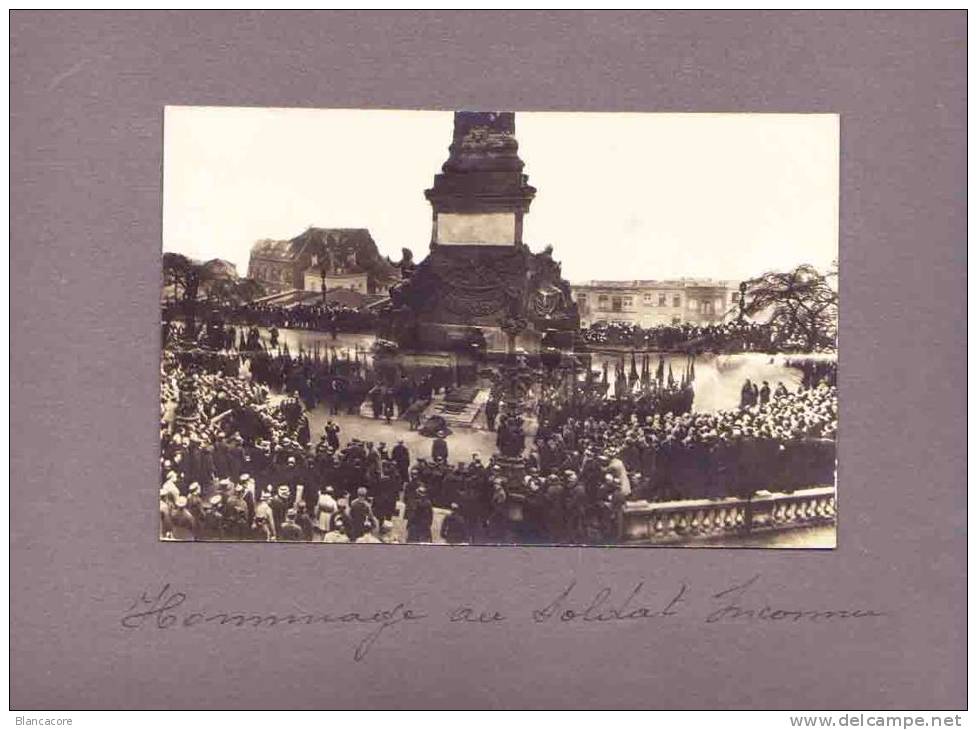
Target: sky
619,195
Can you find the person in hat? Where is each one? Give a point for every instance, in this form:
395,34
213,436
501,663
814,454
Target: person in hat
491,413
376,401
439,447
213,522
261,531
336,533
401,457
325,508
183,524
414,413
387,492
250,498
264,511
332,430
280,504
170,490
292,474
389,401
339,520
765,393
195,502
290,531
304,522
420,517
236,521
361,517
323,514
165,511
555,510
498,521
454,529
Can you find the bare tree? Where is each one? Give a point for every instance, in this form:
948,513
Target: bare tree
802,306
185,276
233,292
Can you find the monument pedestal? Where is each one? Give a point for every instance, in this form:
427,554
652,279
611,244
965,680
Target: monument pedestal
479,272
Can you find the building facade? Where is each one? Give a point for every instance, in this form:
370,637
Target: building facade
316,279
648,303
346,258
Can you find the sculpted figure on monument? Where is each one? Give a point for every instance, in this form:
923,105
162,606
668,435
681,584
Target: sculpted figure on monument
406,265
550,303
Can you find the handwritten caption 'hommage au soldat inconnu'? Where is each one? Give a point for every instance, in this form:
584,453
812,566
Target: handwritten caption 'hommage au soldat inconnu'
167,608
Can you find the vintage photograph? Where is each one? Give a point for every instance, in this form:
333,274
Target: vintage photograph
497,328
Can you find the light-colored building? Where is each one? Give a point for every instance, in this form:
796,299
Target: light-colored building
648,303
316,278
347,257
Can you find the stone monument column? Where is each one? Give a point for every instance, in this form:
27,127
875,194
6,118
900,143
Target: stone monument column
479,270
481,195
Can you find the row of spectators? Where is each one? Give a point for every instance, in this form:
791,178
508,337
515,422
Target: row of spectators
323,317
784,443
725,337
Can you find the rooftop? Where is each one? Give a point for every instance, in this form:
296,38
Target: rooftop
291,249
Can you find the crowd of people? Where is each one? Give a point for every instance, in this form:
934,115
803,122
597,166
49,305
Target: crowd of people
341,379
779,444
321,316
724,337
239,462
814,372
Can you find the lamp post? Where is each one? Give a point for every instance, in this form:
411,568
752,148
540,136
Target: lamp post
515,379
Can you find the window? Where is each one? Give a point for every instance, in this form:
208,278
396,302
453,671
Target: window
734,297
676,301
602,301
616,304
661,300
582,297
647,300
628,302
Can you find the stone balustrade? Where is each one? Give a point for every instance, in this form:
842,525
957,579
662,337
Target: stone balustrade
701,519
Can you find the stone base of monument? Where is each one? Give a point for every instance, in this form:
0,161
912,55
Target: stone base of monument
457,338
444,367
459,412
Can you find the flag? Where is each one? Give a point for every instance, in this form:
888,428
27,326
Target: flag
692,370
671,378
661,369
634,367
